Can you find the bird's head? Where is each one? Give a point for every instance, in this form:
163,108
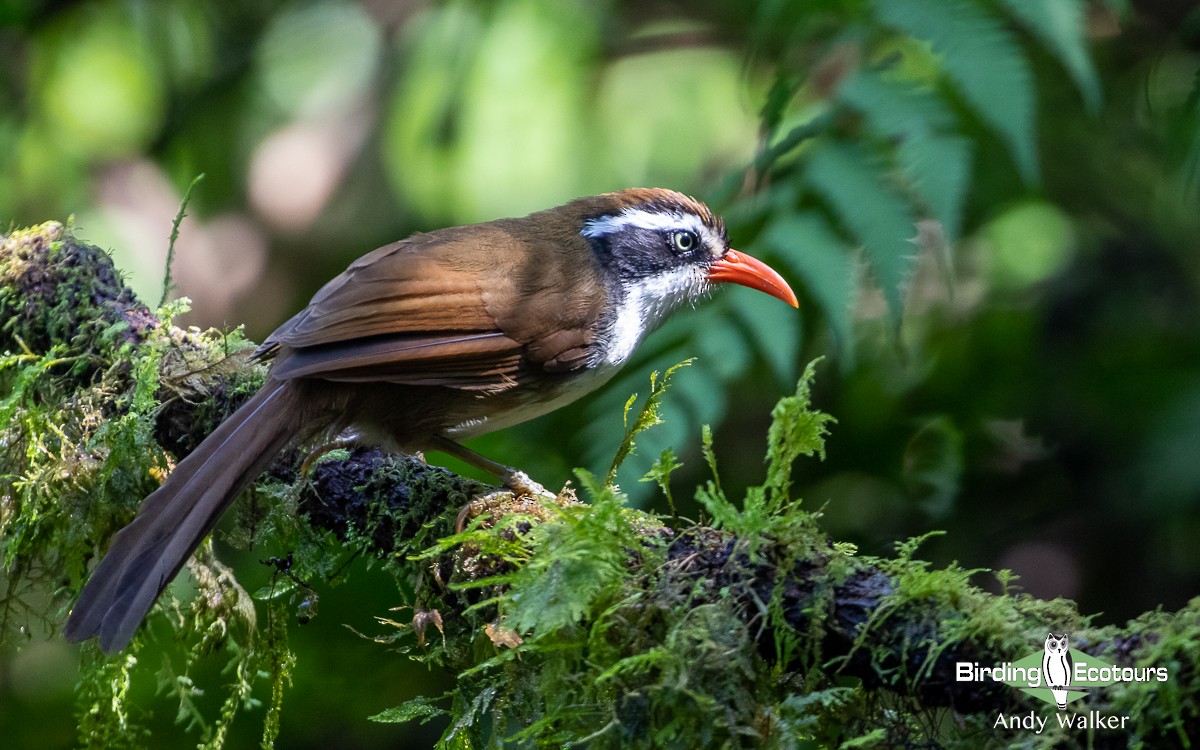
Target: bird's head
660,238
660,250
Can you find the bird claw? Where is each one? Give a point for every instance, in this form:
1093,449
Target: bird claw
520,495
520,484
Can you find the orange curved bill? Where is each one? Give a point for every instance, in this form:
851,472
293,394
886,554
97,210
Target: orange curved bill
738,268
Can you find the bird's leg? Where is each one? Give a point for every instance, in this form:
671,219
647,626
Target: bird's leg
515,480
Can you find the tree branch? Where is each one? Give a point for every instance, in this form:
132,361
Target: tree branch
808,638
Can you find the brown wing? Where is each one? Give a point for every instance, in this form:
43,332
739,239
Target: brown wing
414,313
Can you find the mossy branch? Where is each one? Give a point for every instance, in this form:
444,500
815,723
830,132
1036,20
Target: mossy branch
564,620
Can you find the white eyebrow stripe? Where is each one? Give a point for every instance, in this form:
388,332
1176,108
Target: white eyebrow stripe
651,220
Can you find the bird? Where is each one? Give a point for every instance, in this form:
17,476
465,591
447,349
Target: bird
1058,666
423,343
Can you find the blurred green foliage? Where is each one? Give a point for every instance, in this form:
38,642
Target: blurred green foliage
989,208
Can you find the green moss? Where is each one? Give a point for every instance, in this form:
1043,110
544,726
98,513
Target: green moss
105,719
91,382
55,291
612,632
1165,713
566,622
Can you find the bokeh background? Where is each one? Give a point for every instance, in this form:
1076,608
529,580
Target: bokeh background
1036,395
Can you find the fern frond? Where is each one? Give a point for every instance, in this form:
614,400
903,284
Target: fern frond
774,331
875,214
814,251
983,61
897,109
939,168
1061,25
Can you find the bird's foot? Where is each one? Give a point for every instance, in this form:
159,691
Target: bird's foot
520,484
520,495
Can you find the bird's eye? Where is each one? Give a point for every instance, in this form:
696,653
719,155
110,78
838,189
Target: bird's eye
683,242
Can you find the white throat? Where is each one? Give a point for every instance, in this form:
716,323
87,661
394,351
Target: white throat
646,303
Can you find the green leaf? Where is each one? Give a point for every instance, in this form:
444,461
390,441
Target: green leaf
896,108
935,162
796,137
877,737
698,396
1061,25
629,402
812,250
879,218
939,167
777,100
466,714
905,550
984,62
422,707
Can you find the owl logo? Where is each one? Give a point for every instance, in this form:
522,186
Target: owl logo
1057,667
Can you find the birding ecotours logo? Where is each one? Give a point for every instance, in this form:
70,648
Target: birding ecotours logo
1058,674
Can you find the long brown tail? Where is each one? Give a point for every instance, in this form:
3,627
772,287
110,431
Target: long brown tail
145,555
